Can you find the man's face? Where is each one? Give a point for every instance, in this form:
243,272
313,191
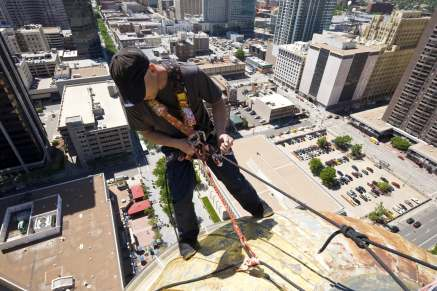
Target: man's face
155,80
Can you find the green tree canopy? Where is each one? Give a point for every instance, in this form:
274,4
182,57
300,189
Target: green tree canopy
343,142
400,143
328,176
356,151
434,250
380,213
239,54
316,166
161,182
383,186
322,142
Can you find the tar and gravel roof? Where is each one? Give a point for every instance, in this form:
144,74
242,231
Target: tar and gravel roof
373,119
86,248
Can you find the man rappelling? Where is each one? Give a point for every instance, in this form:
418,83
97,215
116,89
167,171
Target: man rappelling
165,103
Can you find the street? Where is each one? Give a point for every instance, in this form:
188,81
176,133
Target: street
426,235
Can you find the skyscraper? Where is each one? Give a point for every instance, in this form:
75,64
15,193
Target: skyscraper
241,15
230,15
413,107
45,12
23,141
297,20
84,28
187,7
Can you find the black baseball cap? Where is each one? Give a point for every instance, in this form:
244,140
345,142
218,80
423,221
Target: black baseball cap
128,68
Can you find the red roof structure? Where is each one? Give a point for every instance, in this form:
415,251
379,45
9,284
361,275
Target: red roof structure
138,207
137,192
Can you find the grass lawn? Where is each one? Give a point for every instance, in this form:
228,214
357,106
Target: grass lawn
214,217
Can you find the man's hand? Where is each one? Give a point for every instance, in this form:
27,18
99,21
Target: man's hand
184,146
151,83
225,142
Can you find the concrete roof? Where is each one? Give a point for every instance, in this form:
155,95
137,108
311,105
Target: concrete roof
85,249
76,101
266,160
52,29
275,101
92,71
288,243
425,150
347,52
373,119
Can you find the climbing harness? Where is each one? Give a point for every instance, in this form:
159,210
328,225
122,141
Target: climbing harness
202,151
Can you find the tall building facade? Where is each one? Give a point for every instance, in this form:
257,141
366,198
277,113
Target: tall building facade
290,63
31,38
397,38
187,7
298,20
241,16
84,28
413,107
23,141
45,12
230,15
336,71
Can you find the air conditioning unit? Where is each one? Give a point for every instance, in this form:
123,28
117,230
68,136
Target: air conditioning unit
42,223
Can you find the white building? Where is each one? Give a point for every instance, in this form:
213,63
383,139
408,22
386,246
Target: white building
10,39
336,70
24,71
31,38
290,63
136,39
271,107
92,121
42,65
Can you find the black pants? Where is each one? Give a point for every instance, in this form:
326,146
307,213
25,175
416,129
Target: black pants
181,180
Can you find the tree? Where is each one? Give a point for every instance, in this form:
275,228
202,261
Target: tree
400,143
316,166
380,213
343,142
434,250
161,182
383,186
322,142
239,54
328,176
356,151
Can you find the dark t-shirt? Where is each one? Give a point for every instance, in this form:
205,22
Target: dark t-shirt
199,87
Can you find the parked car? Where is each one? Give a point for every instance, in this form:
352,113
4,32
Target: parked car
340,173
355,168
417,224
410,220
356,200
393,228
396,185
384,179
364,197
365,172
349,177
415,200
403,206
409,203
369,169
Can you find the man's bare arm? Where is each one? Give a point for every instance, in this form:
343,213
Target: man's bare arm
181,144
225,142
219,116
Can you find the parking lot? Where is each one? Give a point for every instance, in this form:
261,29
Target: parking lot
420,225
355,179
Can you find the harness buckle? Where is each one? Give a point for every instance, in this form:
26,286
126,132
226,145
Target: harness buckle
197,138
